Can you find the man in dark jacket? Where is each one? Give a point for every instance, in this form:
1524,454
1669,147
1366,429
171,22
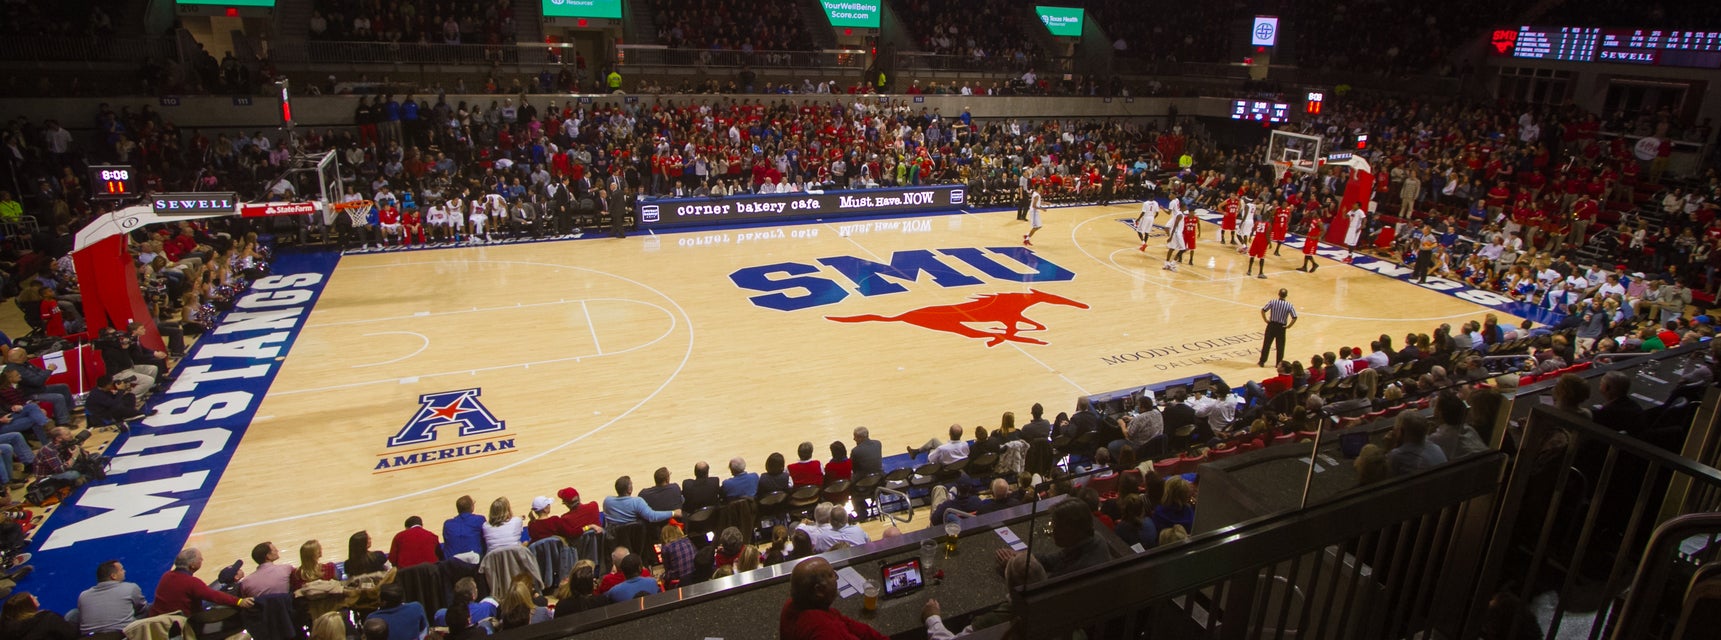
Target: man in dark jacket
111,403
867,454
701,490
33,381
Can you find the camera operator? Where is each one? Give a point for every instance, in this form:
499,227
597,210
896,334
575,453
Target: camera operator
117,352
63,458
111,403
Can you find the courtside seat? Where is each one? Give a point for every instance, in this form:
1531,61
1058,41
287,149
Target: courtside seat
836,491
982,465
772,505
1166,468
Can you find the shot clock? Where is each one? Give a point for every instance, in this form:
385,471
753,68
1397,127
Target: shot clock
112,182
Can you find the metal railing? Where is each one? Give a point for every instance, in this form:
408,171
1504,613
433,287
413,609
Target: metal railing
634,55
1579,508
917,60
411,53
1387,562
75,49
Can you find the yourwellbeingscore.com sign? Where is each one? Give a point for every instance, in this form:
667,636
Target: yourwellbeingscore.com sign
670,212
860,14
609,9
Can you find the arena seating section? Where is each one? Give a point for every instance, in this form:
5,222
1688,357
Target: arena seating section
1648,226
441,22
769,25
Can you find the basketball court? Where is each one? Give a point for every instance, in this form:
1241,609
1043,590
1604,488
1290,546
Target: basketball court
514,370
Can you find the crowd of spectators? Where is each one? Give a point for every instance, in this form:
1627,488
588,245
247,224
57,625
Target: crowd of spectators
991,34
731,25
1621,14
1176,33
488,22
90,19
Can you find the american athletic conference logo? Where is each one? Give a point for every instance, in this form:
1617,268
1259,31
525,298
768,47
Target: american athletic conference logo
460,410
995,318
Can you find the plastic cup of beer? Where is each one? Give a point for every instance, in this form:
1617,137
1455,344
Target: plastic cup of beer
871,595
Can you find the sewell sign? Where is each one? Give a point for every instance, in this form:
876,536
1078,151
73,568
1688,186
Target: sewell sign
268,209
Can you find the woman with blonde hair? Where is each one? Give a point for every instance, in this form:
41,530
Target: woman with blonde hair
329,626
1007,424
311,566
502,529
521,604
575,593
748,560
1371,465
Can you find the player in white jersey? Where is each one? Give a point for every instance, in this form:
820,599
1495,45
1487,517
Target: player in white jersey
1246,231
1353,233
456,218
1144,222
491,204
436,220
1174,240
1036,204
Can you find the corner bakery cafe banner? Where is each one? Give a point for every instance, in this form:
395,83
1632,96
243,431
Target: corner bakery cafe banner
673,212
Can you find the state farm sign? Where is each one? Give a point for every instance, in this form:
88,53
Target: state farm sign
277,209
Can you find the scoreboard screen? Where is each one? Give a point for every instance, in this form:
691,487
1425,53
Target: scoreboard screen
1650,47
110,181
1260,111
1570,44
1658,47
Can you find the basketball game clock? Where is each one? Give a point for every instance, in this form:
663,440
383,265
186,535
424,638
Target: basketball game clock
112,182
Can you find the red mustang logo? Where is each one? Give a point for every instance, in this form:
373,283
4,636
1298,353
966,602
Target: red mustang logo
1001,308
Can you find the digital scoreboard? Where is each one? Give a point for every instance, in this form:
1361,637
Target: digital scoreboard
1652,47
112,182
1260,111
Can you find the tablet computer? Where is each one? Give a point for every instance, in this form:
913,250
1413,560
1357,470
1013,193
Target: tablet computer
902,578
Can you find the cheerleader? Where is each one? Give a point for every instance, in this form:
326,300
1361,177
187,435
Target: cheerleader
1311,243
1144,222
1258,239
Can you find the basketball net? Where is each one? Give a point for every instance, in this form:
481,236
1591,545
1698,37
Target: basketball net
1280,168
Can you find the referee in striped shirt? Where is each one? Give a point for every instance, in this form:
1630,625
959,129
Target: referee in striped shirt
1279,315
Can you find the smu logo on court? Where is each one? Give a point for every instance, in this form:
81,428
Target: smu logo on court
792,286
1000,308
448,409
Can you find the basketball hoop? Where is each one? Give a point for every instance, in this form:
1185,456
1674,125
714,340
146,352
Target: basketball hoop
1280,169
353,204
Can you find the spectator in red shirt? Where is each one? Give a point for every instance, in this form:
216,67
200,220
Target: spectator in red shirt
580,516
840,467
540,524
808,470
181,591
414,545
807,615
1280,383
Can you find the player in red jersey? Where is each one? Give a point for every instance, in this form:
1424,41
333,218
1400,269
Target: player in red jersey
1258,248
388,218
414,226
1311,243
1228,223
1281,225
1190,229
